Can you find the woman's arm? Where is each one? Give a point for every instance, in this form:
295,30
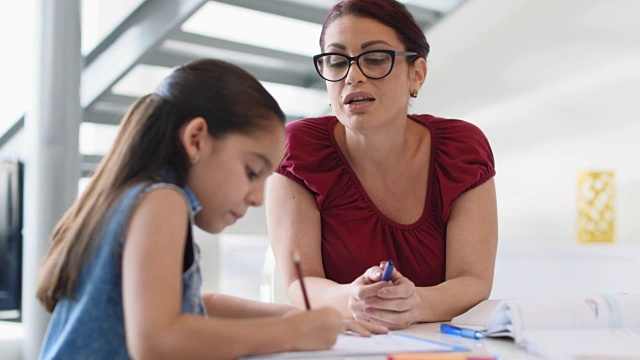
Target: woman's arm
472,241
472,238
155,326
293,223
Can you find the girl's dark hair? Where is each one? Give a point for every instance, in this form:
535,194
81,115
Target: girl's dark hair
226,96
230,100
388,12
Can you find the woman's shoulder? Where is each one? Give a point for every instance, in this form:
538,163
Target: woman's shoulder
463,157
310,127
311,156
310,138
447,126
449,134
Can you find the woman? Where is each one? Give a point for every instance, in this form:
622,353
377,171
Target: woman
373,183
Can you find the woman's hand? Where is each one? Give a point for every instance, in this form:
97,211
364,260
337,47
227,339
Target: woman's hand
363,288
394,304
397,306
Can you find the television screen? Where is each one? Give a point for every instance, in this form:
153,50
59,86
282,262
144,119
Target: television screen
10,237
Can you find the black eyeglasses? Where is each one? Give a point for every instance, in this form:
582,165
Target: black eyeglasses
374,64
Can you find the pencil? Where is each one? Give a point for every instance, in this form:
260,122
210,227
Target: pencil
296,261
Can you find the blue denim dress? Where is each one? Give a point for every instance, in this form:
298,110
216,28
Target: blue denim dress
91,325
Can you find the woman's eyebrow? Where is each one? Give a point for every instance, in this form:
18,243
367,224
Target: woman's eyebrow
337,45
363,46
373,42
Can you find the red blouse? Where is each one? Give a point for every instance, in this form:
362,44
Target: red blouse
355,234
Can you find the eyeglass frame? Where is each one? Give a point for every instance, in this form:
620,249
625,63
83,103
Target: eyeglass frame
356,58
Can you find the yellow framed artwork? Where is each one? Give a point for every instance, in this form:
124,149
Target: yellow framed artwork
596,206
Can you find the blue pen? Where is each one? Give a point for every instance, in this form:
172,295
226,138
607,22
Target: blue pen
388,270
454,330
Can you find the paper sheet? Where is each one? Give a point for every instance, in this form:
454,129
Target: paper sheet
375,345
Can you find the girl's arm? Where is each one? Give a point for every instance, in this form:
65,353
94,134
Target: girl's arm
156,328
221,305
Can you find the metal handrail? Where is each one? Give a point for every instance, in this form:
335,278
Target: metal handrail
12,131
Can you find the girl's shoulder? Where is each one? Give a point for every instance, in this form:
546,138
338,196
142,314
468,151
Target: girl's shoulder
166,196
164,188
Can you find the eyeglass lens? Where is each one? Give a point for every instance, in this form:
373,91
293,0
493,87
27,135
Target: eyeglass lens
374,65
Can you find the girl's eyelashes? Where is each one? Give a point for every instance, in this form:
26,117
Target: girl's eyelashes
251,174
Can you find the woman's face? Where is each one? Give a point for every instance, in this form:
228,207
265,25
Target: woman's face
361,103
231,173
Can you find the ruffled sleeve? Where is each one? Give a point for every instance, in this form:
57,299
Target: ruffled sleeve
310,158
463,160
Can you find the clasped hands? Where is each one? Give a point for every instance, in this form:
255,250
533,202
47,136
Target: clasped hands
393,304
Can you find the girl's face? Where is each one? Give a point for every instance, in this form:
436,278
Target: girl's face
375,100
231,173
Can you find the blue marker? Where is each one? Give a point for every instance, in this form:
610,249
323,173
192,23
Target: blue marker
388,270
454,330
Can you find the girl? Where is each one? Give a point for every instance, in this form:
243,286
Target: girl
122,276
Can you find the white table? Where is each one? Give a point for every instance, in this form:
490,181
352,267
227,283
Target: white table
502,349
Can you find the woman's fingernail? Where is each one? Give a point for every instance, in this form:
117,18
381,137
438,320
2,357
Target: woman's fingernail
377,273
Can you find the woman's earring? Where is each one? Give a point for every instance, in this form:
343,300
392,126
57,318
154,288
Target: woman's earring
195,159
414,93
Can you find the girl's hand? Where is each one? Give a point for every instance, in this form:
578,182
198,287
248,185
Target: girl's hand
395,307
291,310
315,329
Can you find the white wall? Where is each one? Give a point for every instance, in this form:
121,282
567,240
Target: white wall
232,262
555,85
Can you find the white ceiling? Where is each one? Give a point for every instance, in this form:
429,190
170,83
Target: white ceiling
274,40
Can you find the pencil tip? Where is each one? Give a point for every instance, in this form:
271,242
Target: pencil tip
296,256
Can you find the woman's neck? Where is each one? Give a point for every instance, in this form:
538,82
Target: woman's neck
384,149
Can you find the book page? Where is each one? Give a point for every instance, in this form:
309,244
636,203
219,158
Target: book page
355,345
574,344
491,317
574,312
479,315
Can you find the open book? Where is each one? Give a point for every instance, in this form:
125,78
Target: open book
562,327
